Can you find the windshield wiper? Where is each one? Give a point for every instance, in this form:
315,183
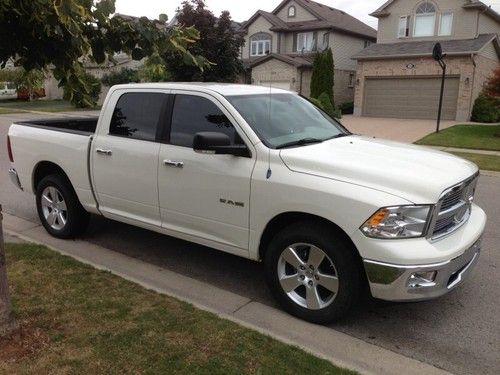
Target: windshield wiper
300,142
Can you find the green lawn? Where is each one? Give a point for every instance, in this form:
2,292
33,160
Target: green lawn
11,106
92,322
480,137
486,162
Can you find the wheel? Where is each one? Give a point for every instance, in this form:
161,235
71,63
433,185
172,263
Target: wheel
59,209
313,273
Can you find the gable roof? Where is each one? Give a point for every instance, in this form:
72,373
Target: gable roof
471,4
299,61
413,49
327,18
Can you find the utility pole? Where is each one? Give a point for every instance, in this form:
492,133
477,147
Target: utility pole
438,55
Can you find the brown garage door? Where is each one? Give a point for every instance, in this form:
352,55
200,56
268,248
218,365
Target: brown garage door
410,97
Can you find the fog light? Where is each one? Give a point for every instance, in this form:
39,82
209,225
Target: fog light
422,279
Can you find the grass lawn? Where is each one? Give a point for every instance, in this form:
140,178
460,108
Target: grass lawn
88,321
487,162
466,136
11,106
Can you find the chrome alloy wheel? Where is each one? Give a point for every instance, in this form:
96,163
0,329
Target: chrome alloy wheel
54,208
308,276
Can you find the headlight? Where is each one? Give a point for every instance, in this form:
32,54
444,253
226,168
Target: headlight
397,222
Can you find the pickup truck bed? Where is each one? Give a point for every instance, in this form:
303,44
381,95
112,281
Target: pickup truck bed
80,125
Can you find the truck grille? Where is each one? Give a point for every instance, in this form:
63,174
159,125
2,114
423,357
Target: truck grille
453,208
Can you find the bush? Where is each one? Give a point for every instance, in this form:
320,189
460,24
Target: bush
347,108
125,75
92,86
486,109
325,103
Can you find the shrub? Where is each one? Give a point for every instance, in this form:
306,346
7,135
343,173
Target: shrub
125,75
347,108
327,106
486,109
322,78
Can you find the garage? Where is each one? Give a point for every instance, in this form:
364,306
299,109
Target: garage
285,85
410,97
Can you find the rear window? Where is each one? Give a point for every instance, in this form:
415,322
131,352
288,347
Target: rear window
137,115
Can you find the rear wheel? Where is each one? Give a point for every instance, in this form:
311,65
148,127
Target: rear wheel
312,272
59,209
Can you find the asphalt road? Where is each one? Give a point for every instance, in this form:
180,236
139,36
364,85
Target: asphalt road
459,332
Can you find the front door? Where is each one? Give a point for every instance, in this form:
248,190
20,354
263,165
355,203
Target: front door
204,195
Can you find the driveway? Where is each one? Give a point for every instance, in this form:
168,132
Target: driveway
403,130
459,332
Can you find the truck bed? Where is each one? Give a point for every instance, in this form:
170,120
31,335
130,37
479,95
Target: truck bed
75,125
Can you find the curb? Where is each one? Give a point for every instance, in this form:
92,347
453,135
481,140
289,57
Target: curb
339,348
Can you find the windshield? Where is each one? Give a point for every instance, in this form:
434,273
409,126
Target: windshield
286,119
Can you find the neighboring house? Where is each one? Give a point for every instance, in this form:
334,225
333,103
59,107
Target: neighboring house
279,46
397,77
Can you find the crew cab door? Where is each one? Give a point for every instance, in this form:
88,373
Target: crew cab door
124,155
204,195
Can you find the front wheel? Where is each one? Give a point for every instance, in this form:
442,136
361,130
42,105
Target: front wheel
312,272
59,209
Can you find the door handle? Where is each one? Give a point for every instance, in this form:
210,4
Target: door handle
103,152
172,163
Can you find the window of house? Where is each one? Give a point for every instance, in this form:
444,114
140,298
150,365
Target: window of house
404,27
351,79
326,40
291,11
425,20
368,43
260,44
137,115
193,114
305,42
446,24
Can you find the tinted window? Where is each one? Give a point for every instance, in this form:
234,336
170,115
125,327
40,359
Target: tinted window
193,114
137,115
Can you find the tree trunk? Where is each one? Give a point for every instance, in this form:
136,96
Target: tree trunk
7,321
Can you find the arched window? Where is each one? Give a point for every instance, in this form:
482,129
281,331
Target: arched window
425,20
260,44
291,11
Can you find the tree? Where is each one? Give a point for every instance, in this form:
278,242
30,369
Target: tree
94,90
323,74
125,75
218,42
154,70
7,320
30,80
60,34
492,87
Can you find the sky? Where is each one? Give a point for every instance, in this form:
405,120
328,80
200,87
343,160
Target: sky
242,10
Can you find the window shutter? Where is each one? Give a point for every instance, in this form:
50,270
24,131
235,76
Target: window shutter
315,41
295,42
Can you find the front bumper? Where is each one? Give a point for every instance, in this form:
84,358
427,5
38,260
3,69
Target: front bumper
410,283
15,178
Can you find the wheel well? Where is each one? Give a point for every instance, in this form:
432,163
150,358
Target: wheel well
285,219
44,169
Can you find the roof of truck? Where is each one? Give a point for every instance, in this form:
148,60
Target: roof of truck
225,89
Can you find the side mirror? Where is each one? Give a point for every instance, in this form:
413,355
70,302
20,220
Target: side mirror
218,143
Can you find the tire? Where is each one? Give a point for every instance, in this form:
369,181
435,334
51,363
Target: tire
59,209
330,299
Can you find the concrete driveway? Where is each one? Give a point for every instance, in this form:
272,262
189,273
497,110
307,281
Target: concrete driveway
403,130
459,332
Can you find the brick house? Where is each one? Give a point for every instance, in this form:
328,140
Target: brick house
397,77
280,45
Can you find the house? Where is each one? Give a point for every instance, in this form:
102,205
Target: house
280,45
397,77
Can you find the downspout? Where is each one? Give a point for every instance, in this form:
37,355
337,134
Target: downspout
300,81
472,83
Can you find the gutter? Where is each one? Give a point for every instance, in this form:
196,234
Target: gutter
471,103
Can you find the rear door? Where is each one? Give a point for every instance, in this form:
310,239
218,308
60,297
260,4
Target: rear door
125,156
204,195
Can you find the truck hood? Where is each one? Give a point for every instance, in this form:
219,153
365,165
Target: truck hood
415,173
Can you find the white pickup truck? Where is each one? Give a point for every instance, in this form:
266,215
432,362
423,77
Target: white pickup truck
263,174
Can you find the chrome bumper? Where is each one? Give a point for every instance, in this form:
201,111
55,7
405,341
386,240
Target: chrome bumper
412,283
15,178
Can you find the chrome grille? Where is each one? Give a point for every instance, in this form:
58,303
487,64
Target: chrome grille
453,208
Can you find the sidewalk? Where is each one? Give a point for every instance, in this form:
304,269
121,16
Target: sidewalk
341,349
467,150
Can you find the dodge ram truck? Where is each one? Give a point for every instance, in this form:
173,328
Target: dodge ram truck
264,174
